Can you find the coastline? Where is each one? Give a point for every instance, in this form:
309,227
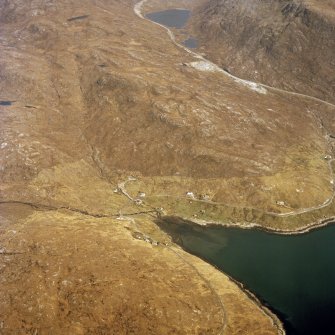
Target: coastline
276,322
303,230
321,223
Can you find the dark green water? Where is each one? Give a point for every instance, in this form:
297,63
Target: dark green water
173,18
293,275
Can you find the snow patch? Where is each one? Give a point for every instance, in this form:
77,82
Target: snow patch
205,66
253,86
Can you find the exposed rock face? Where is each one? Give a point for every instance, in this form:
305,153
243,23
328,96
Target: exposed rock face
97,95
283,43
90,94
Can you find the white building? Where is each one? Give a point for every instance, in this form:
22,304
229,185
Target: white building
190,195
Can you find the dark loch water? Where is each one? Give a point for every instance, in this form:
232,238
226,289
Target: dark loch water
172,18
191,43
82,17
5,103
293,275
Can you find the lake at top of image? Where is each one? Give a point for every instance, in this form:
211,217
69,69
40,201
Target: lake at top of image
172,18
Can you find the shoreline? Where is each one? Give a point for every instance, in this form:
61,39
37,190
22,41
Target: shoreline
267,311
277,323
303,230
321,223
279,320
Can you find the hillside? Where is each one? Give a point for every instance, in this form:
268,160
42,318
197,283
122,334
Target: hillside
106,125
287,44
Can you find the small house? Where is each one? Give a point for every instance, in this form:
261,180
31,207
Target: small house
190,195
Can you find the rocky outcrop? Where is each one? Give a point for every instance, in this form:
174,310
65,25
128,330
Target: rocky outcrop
98,105
284,43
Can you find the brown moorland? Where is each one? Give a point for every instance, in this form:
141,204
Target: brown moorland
93,94
287,44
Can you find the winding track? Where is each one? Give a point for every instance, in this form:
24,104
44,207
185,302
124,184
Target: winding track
121,186
210,287
123,191
299,211
138,12
252,85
